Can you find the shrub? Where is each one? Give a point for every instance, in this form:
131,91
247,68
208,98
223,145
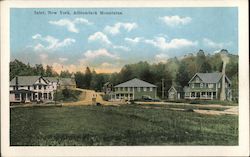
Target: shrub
106,97
67,95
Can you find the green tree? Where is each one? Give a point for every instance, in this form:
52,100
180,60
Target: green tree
182,76
49,71
79,78
88,78
205,67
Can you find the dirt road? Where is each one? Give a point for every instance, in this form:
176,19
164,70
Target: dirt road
233,110
86,98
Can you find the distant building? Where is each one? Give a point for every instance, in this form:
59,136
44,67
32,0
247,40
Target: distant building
209,86
135,89
67,83
107,87
30,88
175,92
61,83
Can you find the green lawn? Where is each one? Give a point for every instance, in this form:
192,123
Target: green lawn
123,125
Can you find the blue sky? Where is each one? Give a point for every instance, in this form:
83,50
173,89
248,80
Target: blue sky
107,42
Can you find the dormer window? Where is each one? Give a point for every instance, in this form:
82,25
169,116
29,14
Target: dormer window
197,79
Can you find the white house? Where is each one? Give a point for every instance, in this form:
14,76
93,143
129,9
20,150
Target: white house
30,88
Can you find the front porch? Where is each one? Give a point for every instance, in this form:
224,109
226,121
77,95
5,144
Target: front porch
26,96
201,95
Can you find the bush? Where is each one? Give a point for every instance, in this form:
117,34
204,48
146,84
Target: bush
67,95
106,97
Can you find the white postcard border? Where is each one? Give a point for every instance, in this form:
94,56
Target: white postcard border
243,38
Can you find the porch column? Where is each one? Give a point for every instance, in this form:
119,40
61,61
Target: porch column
206,95
26,96
20,96
133,93
211,95
195,93
190,95
155,92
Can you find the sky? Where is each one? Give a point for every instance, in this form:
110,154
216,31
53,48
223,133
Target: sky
71,39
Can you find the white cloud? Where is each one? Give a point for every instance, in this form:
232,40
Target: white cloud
58,67
106,64
124,48
99,53
37,36
209,43
39,47
99,36
161,43
162,57
43,56
135,40
61,59
71,24
52,43
115,29
175,20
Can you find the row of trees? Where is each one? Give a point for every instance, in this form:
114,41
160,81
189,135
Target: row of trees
178,71
18,68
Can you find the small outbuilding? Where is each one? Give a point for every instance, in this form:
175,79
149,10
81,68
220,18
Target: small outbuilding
108,88
175,92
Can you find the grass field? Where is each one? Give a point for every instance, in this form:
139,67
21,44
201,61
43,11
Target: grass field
123,125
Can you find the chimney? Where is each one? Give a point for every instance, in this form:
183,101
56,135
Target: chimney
225,60
16,82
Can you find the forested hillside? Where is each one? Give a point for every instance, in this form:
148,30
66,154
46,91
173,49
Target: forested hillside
179,70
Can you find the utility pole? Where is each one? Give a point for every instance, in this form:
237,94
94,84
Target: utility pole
162,92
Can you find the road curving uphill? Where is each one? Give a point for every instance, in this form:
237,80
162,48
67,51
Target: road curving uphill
86,99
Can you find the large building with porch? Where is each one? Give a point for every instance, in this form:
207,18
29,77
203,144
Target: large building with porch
37,88
208,86
30,88
134,89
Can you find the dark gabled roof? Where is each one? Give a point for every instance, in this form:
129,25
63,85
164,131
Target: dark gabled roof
50,79
177,88
107,83
210,77
67,82
24,80
135,83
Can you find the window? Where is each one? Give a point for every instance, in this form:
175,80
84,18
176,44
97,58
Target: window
218,85
44,87
151,89
201,85
192,85
138,89
34,87
40,87
144,89
210,85
17,96
28,87
197,79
